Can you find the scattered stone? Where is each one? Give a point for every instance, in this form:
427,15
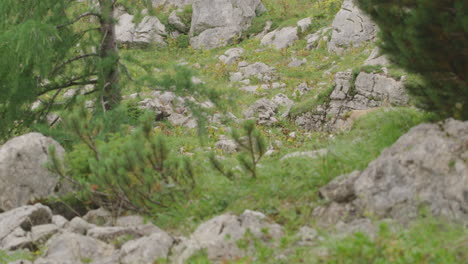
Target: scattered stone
297,63
282,100
281,38
79,226
219,235
146,249
23,174
231,56
227,145
302,88
59,221
130,221
307,236
263,110
171,3
100,217
74,248
306,154
259,70
304,24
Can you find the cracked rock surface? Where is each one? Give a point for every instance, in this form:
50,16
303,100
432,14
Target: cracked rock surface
426,168
351,27
23,175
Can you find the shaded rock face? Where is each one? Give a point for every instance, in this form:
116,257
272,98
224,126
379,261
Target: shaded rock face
149,31
15,223
351,27
426,168
369,90
231,17
23,175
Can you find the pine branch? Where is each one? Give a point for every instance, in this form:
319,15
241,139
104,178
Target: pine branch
72,60
78,18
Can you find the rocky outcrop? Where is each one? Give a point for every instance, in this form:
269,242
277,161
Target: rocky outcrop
232,17
426,169
129,240
23,173
313,40
149,31
367,91
264,111
281,38
351,27
168,106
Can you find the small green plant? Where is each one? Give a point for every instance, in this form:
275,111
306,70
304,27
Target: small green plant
253,147
134,172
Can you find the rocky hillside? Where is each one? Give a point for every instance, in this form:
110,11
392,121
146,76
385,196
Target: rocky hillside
281,135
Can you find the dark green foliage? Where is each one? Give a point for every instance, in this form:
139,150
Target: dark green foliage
429,38
183,41
134,172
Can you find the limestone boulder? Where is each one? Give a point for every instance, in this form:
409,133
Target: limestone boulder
281,38
351,27
232,17
23,173
425,169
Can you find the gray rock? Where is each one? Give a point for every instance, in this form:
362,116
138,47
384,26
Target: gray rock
263,110
370,90
227,145
23,174
59,221
302,88
41,233
15,223
70,248
147,249
376,58
282,100
79,226
304,24
231,56
219,235
171,3
306,154
130,221
210,31
149,31
351,27
307,236
425,168
177,23
100,217
259,70
296,63
18,239
281,38
314,39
